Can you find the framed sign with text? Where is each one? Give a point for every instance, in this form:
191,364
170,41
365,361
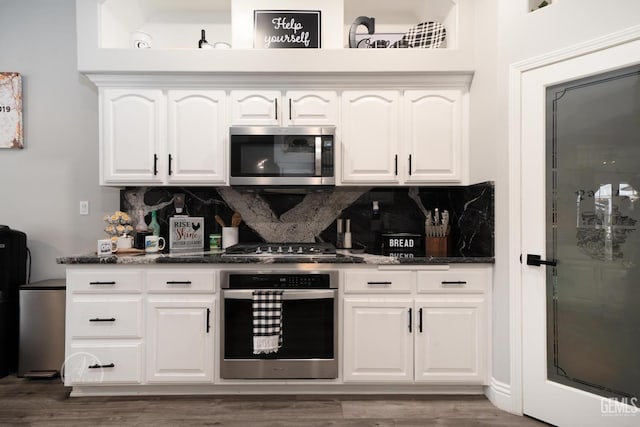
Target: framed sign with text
286,29
11,110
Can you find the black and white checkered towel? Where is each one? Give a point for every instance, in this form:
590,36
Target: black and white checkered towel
267,321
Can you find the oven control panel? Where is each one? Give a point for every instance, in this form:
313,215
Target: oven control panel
259,280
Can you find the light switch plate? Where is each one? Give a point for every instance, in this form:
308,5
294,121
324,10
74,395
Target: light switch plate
84,207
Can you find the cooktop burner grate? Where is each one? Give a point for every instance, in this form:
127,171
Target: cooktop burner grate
284,249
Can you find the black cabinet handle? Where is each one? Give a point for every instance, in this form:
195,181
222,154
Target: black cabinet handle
155,164
208,320
102,283
276,101
380,283
98,319
410,319
537,261
170,159
178,282
420,318
409,164
453,282
396,165
96,366
289,108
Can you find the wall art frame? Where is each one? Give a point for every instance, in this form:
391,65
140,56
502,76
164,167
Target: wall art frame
287,29
11,129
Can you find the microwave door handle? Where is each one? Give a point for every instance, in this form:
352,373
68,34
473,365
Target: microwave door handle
318,156
286,295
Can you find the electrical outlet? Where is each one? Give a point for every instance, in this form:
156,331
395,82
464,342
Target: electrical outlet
84,207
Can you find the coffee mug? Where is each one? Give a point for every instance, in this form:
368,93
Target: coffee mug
105,247
153,244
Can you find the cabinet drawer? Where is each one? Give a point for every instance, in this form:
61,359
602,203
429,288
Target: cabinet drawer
105,317
374,281
453,281
103,364
181,281
110,280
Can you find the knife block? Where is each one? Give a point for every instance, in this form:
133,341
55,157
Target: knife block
437,246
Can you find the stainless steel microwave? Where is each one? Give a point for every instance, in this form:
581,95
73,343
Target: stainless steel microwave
269,155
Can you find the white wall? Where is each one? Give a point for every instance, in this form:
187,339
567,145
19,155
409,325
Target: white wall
41,185
523,35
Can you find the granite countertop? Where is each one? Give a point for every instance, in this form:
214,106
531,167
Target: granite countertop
343,257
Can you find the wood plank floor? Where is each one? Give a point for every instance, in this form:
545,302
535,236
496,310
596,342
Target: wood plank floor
47,403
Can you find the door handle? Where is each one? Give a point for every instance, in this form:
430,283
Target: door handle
208,320
420,323
170,160
537,261
410,319
409,164
155,164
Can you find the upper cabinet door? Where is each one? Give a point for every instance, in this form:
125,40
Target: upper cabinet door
197,135
256,108
131,136
433,126
306,108
370,125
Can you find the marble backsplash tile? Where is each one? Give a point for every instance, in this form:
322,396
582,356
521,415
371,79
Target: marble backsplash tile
279,217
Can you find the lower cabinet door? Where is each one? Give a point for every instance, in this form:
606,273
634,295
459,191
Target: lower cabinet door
180,340
451,341
378,340
103,363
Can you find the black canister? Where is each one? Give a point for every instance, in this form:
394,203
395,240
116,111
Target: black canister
138,243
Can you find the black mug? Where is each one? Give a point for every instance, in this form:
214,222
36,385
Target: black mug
138,242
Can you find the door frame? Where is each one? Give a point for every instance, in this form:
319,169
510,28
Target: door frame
517,73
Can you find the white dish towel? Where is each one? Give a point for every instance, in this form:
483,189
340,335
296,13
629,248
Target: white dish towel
267,321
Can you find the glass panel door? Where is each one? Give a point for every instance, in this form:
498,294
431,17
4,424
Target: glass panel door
593,179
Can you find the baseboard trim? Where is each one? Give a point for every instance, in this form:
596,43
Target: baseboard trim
499,394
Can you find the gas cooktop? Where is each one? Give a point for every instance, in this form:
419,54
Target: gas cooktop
292,250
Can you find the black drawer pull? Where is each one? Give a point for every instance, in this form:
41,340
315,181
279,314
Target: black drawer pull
420,317
178,282
208,320
454,282
380,283
98,319
96,366
410,320
102,283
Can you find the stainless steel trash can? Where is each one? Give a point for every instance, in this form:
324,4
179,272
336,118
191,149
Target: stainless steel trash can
42,318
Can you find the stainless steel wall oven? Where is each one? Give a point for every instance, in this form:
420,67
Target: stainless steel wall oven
309,324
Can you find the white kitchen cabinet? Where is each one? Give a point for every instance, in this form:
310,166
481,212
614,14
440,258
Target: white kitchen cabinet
420,142
451,340
153,136
180,339
378,345
438,334
370,125
433,136
104,326
197,135
278,108
131,135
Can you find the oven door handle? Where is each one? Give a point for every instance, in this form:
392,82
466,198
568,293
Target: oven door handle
286,295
